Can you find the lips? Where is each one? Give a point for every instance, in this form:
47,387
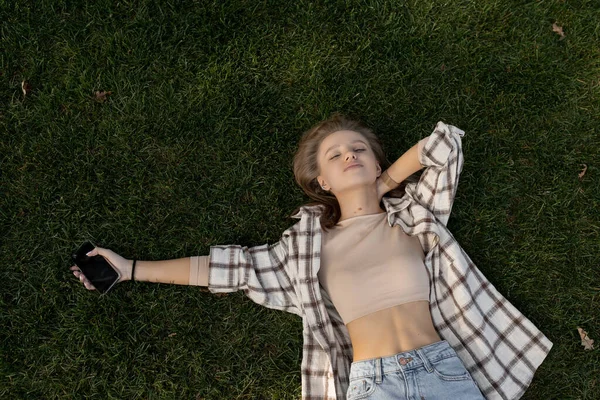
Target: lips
352,165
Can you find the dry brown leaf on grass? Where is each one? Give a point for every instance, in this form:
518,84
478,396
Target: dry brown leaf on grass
582,173
559,30
25,87
100,96
586,342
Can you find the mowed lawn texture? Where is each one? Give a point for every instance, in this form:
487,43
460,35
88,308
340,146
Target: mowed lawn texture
159,129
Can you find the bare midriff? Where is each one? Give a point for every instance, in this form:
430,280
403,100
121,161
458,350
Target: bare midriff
392,330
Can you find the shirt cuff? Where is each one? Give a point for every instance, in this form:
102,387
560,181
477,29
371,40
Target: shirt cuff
421,145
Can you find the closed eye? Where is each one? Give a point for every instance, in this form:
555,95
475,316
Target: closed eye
355,150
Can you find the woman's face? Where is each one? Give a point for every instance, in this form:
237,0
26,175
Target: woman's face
339,150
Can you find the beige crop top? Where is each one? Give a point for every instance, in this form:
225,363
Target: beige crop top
367,266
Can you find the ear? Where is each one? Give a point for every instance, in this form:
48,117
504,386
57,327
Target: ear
378,170
320,181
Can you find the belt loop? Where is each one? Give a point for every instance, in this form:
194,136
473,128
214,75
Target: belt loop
378,370
426,362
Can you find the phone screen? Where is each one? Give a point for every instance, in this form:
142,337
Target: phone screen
95,268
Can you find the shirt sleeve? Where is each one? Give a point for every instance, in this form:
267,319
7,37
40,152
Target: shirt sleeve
262,272
441,155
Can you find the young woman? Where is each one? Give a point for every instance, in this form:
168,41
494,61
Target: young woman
381,285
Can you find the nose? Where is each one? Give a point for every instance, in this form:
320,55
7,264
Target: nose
353,156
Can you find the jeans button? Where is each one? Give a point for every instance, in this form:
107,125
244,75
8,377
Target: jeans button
404,361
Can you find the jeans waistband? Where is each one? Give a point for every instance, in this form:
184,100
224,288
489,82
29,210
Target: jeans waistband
406,360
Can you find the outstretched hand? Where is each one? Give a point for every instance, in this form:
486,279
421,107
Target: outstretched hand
123,265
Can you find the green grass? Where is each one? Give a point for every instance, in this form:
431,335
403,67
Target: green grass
194,147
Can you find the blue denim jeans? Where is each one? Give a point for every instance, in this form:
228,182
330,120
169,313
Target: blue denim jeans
430,372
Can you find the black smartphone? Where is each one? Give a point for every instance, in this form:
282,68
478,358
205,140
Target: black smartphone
97,269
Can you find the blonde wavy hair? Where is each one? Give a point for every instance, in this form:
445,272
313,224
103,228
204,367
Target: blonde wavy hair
306,166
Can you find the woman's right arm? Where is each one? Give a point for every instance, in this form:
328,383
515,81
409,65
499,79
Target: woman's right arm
263,272
180,271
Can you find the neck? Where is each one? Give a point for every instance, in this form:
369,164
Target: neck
358,201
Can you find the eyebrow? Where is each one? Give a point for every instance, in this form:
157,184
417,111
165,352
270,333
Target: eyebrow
337,145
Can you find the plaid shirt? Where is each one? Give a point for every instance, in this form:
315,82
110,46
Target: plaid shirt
499,346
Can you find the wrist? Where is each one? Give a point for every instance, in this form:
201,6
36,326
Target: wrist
389,182
127,272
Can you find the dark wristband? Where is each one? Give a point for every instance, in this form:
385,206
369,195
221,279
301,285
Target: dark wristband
133,269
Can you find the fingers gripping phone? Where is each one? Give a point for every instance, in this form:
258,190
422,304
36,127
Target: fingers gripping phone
97,269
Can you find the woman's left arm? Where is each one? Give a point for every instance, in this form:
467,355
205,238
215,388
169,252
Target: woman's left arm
401,169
